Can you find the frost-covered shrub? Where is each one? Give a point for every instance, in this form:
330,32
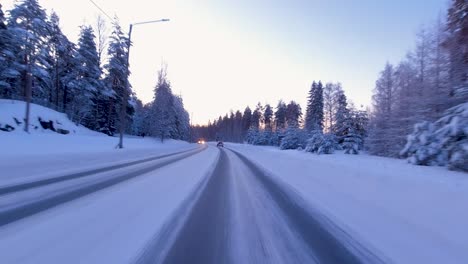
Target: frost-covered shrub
351,143
252,136
293,139
421,147
443,143
314,142
321,144
262,138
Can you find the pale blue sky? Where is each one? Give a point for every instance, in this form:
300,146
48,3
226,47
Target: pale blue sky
248,51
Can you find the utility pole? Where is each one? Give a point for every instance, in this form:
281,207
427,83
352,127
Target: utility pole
123,107
28,93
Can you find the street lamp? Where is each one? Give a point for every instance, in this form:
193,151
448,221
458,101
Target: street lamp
124,97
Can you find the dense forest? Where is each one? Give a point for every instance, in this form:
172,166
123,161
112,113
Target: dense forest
419,110
87,80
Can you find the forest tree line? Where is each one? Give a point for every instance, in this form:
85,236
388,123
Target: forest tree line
419,107
88,80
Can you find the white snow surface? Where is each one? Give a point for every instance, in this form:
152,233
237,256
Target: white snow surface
109,226
44,153
10,109
404,213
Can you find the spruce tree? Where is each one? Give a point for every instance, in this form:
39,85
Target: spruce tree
280,116
30,32
91,96
341,115
7,59
314,112
116,79
163,117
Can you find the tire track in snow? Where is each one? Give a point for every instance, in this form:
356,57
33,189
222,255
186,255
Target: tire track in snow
242,216
39,183
17,212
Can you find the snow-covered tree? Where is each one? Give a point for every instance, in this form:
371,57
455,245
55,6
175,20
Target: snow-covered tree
246,121
379,140
314,112
294,138
352,142
182,120
163,110
268,117
457,46
329,104
341,115
321,144
30,31
293,114
117,78
64,70
257,117
421,148
359,123
8,71
443,143
91,99
102,37
280,116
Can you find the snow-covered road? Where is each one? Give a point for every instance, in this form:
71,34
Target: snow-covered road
111,225
241,204
243,216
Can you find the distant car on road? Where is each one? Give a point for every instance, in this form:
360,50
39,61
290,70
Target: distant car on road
201,141
220,144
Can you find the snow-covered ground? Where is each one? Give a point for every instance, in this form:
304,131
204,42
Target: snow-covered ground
13,109
44,153
406,213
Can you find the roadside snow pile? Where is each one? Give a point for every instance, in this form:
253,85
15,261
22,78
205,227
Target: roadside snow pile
42,120
443,143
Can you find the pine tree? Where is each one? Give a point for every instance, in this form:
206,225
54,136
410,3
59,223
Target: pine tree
163,115
268,117
293,114
314,112
246,121
257,117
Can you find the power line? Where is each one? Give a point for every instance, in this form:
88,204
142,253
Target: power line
100,9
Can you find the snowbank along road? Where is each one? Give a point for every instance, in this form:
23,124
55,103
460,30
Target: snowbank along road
204,205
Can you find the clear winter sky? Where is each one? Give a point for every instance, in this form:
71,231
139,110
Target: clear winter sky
225,55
